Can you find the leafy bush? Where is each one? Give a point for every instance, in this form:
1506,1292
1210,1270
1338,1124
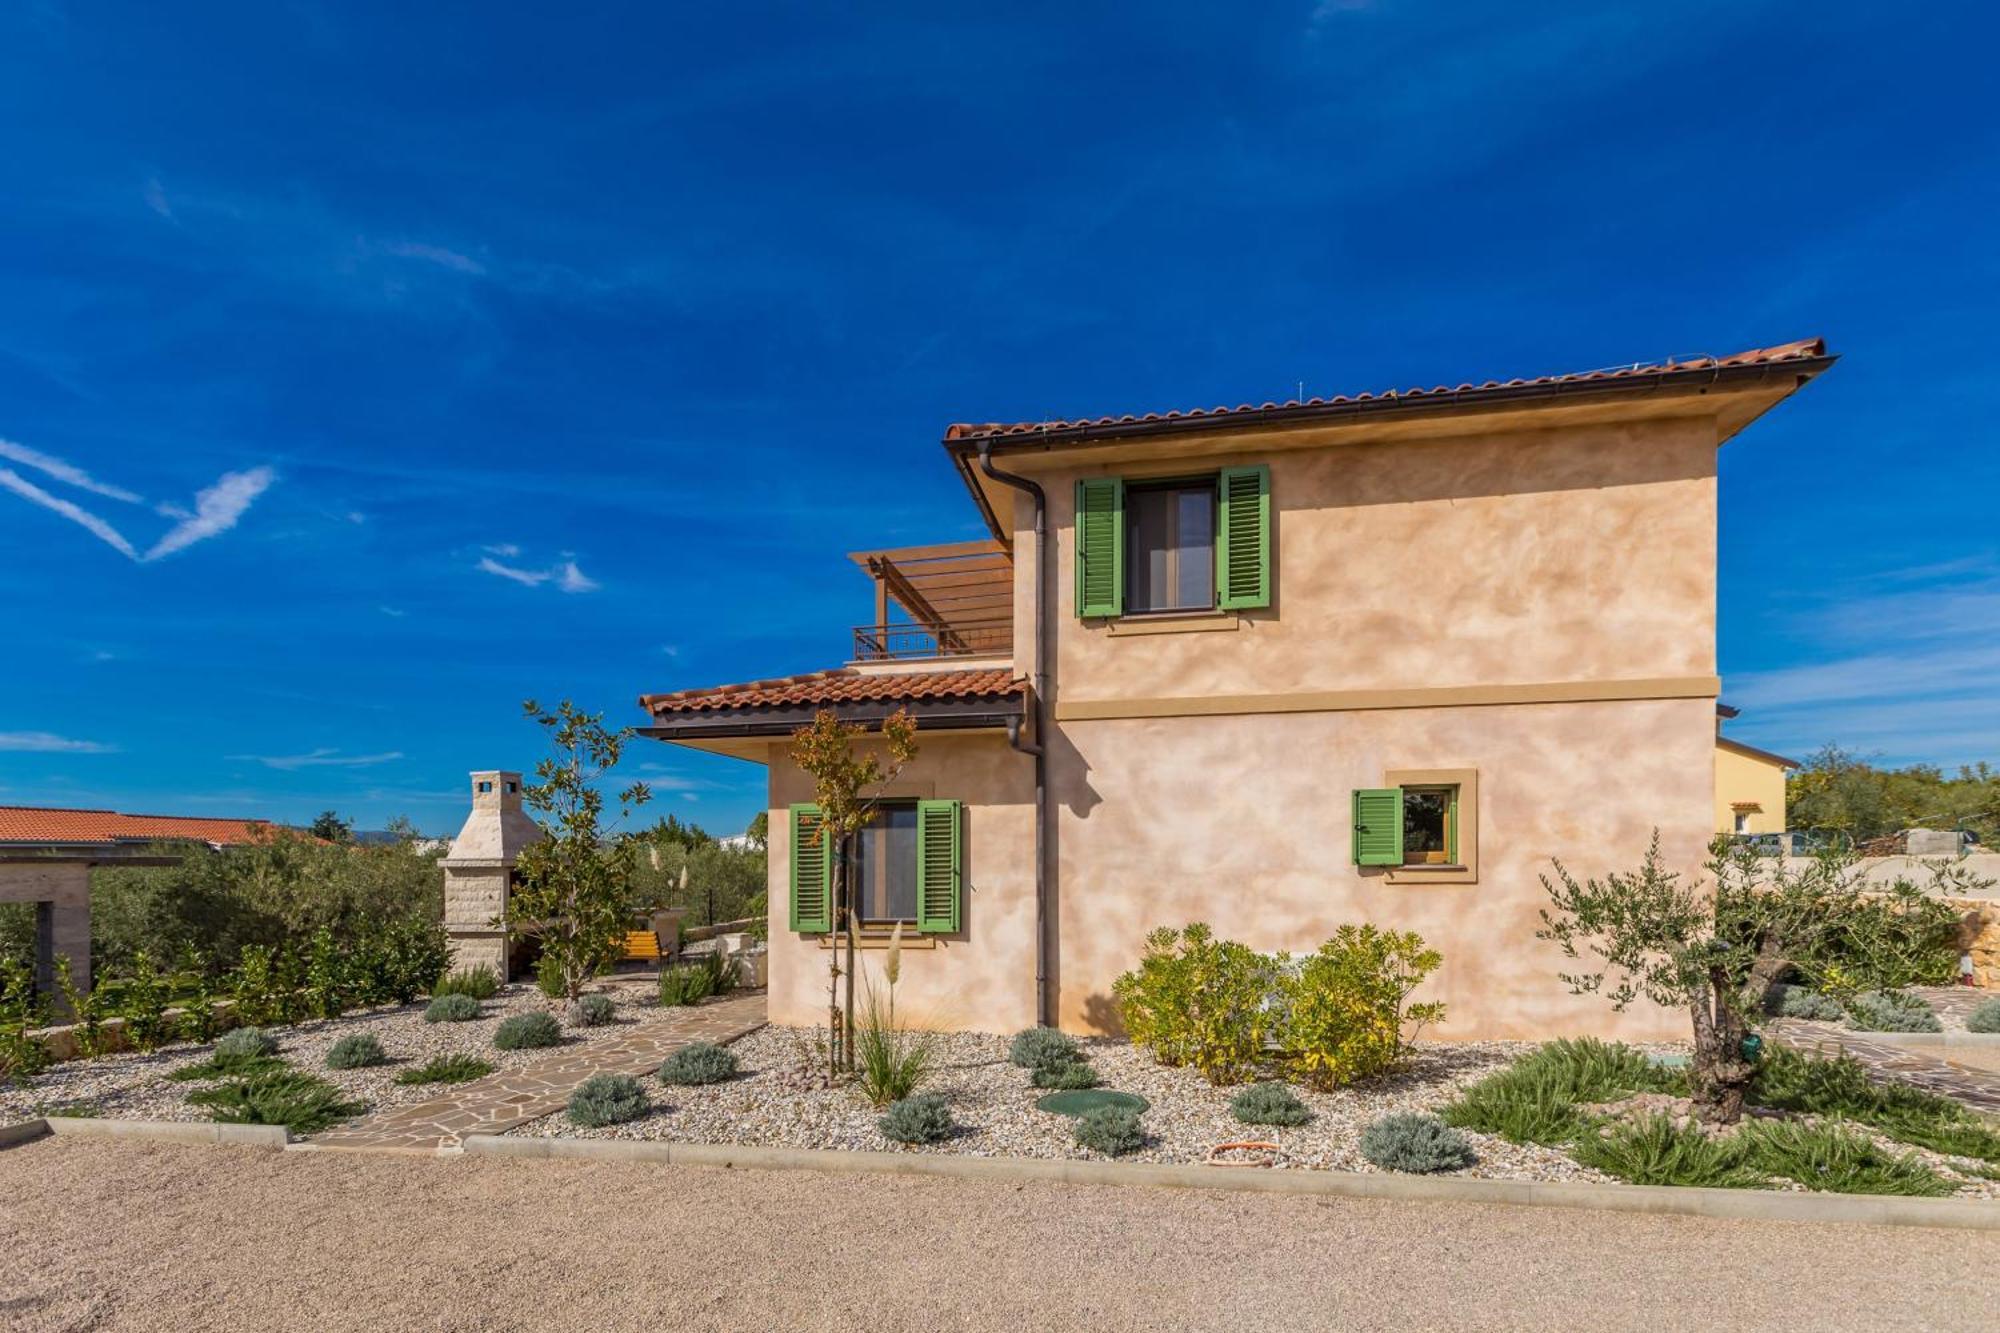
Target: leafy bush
524,1032
301,1102
685,984
698,1062
481,983
1891,1011
1196,1000
607,1099
1346,1011
20,1009
1269,1104
549,978
924,1118
1829,1157
1986,1018
1037,1048
451,1009
596,1009
1111,1130
355,1051
721,971
446,1069
1418,1144
240,1044
1073,1075
143,1004
1801,1002
1654,1150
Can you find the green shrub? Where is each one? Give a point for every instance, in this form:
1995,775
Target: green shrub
355,1051
1417,1144
1269,1104
1986,1018
1891,1011
698,1062
245,1044
721,971
1950,1135
596,1009
451,1009
1653,1150
20,1009
1073,1075
607,1099
1830,1157
301,1102
1346,1007
1799,1002
549,978
1038,1048
685,984
892,1062
241,1051
525,1032
1196,1000
924,1118
1535,1099
1111,1130
446,1069
481,983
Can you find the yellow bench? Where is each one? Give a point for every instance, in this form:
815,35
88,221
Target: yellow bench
642,946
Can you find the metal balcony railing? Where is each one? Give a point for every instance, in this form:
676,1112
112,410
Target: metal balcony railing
976,638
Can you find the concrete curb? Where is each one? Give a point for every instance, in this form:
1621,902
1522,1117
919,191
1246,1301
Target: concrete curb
1757,1205
25,1131
1974,1041
169,1131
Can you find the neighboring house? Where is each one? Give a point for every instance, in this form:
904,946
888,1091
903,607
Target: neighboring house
1374,658
46,855
1749,783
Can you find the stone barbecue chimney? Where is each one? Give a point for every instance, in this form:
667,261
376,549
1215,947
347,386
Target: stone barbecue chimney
479,870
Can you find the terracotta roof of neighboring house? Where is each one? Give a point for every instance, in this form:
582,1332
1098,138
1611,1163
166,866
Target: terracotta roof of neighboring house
26,823
841,686
1808,349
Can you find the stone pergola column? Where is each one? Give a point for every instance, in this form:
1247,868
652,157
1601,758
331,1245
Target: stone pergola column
60,891
479,871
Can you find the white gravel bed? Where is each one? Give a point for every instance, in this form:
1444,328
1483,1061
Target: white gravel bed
134,1086
778,1100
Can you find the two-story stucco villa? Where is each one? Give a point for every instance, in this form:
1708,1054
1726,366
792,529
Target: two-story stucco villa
1372,658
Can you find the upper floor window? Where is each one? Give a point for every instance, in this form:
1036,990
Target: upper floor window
1170,547
1190,544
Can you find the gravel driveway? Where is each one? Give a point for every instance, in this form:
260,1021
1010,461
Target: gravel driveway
102,1235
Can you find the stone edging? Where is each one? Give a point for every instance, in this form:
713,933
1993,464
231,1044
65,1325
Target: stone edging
1758,1205
158,1131
1933,1041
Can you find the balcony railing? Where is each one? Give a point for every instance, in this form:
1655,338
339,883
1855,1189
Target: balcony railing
890,643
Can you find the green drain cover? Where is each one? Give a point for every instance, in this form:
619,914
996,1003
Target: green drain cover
1089,1099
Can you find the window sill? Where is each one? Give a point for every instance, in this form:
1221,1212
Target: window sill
871,938
1424,874
1174,622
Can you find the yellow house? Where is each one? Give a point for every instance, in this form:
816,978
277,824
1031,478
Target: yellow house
1277,668
1749,783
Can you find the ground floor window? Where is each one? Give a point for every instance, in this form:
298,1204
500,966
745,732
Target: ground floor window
1430,826
885,865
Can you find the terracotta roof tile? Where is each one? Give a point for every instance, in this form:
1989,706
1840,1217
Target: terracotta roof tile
25,823
1803,350
841,686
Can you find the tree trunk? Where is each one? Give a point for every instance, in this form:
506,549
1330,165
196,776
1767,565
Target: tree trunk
847,943
1719,1077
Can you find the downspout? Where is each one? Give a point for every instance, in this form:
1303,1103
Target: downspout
1038,747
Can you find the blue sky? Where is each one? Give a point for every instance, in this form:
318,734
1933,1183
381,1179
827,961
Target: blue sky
366,369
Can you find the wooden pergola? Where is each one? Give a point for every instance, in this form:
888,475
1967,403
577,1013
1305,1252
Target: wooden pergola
958,597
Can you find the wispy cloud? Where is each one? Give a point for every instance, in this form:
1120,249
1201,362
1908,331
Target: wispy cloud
322,758
564,574
47,742
217,508
155,195
67,473
394,612
435,254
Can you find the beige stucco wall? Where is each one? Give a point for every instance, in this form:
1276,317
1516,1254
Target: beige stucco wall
1746,777
1243,822
1534,556
983,977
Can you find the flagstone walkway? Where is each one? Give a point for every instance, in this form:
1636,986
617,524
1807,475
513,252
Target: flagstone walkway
499,1102
1927,1067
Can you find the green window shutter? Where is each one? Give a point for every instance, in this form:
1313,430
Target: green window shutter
812,872
1243,538
939,879
1100,547
1378,826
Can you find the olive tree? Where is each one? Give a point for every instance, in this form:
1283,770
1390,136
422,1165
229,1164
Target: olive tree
571,887
1716,947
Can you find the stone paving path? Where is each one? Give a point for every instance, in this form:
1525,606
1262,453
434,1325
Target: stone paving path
1927,1067
499,1102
